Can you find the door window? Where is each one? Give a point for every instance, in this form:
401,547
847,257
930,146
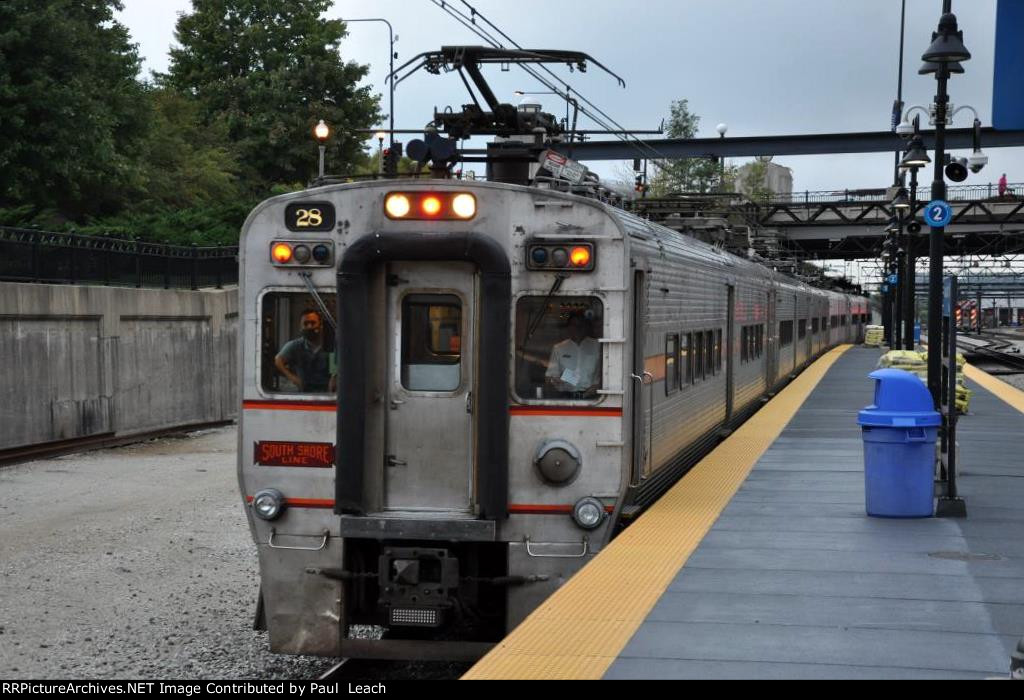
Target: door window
431,342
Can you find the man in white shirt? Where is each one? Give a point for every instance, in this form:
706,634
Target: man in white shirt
572,367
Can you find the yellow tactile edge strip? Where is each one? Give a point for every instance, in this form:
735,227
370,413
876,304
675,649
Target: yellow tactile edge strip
1010,394
580,630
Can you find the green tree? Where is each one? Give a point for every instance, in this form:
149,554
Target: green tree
188,163
753,180
269,71
685,174
73,114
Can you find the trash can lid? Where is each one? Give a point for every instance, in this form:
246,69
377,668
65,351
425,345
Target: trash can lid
901,401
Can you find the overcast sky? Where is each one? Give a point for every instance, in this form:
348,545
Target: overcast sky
763,67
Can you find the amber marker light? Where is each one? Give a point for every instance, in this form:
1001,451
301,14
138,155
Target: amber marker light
431,205
580,256
397,206
464,206
281,253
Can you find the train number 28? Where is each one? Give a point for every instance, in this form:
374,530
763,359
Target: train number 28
305,218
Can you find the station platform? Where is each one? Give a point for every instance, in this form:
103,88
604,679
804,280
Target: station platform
762,563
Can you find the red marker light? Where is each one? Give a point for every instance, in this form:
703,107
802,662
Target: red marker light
580,256
281,253
431,205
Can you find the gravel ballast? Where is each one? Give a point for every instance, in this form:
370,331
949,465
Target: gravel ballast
133,562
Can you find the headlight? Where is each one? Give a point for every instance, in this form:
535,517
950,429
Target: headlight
588,512
268,504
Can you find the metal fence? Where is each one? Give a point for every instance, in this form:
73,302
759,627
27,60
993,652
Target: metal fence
957,193
27,255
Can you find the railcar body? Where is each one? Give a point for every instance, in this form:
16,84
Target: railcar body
469,462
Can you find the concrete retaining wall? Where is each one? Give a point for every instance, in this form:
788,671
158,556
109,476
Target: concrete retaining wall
78,361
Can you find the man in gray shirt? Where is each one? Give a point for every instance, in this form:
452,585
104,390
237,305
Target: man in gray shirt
305,361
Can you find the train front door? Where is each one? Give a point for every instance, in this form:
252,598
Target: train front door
428,458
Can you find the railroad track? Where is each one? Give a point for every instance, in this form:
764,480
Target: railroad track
27,453
992,352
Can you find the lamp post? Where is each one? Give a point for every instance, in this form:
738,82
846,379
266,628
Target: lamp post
946,48
721,129
321,131
380,151
391,76
910,265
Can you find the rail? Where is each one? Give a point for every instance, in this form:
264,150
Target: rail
28,255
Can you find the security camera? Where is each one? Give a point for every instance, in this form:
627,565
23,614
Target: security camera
976,161
957,169
905,128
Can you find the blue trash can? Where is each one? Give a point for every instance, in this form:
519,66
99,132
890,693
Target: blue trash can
917,332
899,432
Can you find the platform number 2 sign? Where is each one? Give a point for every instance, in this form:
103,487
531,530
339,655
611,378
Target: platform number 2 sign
938,213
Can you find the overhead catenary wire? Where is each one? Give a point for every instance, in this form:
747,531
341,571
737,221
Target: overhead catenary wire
474,13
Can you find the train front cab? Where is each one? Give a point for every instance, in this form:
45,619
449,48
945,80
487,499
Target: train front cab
440,519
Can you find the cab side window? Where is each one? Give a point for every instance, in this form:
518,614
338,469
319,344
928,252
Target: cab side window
297,354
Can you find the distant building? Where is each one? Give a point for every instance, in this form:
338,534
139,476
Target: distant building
778,179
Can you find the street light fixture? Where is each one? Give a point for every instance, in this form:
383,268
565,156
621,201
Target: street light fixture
930,67
916,156
322,132
948,42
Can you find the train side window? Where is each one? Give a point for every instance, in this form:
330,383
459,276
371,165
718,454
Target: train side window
686,357
709,354
801,329
671,368
759,342
557,354
296,344
431,342
718,350
814,325
743,344
785,333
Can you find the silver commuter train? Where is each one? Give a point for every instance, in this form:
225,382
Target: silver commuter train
457,477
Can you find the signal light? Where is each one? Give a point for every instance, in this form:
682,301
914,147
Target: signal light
464,206
304,254
575,256
281,253
301,254
321,253
431,206
580,256
424,206
397,206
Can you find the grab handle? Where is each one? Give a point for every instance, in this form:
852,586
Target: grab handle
323,543
531,553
